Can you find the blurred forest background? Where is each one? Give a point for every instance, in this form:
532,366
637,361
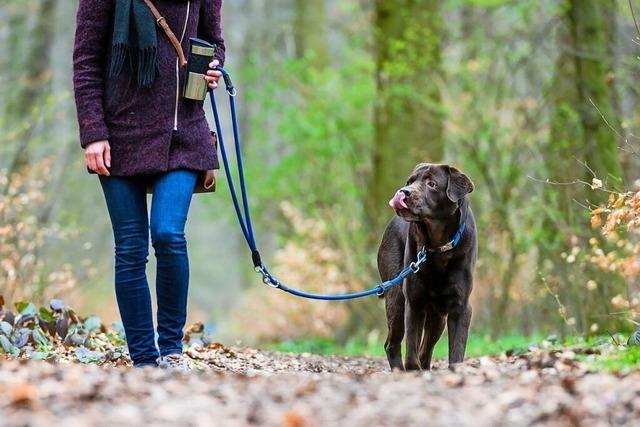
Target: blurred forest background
534,99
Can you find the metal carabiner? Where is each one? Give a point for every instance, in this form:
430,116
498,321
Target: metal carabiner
415,267
267,279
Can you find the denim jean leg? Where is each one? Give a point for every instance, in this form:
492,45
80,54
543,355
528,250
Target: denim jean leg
169,209
127,205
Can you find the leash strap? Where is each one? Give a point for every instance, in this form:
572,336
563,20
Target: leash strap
244,215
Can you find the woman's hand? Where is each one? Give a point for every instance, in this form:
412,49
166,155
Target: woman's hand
97,155
213,75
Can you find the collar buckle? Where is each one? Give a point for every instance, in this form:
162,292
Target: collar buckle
449,246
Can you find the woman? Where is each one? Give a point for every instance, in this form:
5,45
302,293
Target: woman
137,129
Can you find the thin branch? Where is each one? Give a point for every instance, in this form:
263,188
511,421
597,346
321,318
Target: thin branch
635,22
606,121
582,205
574,182
624,138
584,163
615,341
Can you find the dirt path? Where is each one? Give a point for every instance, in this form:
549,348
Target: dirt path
250,387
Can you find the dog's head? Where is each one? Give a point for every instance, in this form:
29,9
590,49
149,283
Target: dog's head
432,192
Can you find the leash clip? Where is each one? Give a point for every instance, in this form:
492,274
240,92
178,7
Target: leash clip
422,256
267,279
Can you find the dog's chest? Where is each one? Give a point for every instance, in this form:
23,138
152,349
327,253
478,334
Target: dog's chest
437,264
434,276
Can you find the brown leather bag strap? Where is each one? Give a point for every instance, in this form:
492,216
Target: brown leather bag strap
162,23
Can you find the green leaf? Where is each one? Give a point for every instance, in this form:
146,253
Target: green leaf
25,320
39,355
77,339
26,308
21,338
10,318
38,338
85,355
6,345
46,315
119,329
6,328
92,324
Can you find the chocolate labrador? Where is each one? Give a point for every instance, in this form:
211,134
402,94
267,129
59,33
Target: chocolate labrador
432,212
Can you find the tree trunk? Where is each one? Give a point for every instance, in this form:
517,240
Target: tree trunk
36,75
578,130
310,31
582,94
408,114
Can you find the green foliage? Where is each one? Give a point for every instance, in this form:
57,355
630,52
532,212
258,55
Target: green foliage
58,333
319,121
621,360
478,345
323,131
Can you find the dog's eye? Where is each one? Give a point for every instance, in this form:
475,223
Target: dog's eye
431,184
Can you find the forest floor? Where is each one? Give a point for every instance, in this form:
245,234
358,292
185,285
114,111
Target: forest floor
245,387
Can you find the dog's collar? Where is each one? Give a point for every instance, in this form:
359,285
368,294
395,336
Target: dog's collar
448,246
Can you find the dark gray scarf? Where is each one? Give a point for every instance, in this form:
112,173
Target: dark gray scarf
135,41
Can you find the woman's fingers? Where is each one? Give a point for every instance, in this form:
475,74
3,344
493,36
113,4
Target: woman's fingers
91,161
212,78
98,157
107,156
213,75
101,169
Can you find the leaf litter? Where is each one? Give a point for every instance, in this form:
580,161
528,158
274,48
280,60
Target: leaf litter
89,381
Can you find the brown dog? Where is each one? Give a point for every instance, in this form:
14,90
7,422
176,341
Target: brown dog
431,209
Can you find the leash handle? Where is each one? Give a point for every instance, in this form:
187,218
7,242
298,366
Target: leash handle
228,83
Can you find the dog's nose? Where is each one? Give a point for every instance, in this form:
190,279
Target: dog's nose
406,191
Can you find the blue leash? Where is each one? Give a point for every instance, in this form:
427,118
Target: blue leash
244,216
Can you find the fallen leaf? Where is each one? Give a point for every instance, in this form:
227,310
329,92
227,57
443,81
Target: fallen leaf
24,394
293,419
596,183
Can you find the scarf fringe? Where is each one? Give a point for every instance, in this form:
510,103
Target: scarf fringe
147,62
119,54
134,42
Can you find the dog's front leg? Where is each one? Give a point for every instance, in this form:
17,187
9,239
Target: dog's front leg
433,328
459,313
414,316
458,323
414,313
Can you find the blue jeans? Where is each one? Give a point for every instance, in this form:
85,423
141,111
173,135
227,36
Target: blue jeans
126,201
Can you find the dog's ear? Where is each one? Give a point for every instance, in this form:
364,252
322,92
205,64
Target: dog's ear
458,185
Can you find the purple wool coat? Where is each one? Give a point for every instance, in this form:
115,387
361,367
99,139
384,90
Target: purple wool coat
152,129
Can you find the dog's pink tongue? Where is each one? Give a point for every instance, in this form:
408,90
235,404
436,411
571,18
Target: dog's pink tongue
397,202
